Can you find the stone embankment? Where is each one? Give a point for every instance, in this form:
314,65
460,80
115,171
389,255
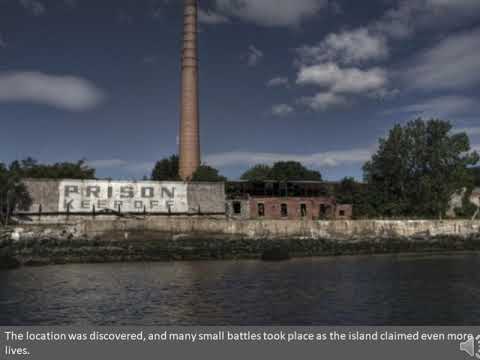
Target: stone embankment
103,239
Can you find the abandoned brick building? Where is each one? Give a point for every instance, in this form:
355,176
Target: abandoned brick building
288,200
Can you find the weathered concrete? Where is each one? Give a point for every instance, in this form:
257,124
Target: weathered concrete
168,238
51,197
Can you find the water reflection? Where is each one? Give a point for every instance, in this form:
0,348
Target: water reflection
380,290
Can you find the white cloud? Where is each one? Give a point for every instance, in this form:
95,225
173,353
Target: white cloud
324,101
271,12
278,81
282,110
452,64
347,47
411,16
323,159
441,107
211,18
35,7
342,80
65,92
254,56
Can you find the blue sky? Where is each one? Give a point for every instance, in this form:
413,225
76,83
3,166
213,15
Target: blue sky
318,81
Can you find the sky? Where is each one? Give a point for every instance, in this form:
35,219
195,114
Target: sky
316,81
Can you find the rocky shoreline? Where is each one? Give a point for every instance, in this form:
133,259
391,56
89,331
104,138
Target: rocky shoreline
47,245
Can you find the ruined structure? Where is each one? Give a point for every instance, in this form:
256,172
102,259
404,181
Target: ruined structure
294,200
189,123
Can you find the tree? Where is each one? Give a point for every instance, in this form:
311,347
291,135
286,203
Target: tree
293,171
30,168
207,174
167,169
13,194
475,172
418,168
349,191
258,173
282,171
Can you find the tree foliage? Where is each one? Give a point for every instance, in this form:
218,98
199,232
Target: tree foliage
349,191
13,194
30,168
418,168
167,169
475,172
282,171
207,174
257,173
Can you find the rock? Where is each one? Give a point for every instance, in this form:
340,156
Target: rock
277,253
7,261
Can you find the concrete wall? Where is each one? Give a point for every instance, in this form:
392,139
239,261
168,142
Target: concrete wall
343,212
160,238
273,207
207,198
97,196
218,227
244,206
44,194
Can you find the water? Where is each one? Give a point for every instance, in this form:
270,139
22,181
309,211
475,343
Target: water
363,290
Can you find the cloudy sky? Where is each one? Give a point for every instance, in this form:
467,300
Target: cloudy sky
318,81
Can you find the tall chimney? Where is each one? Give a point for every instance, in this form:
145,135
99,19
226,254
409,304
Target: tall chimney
189,125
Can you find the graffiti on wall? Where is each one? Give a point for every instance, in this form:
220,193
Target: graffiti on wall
129,197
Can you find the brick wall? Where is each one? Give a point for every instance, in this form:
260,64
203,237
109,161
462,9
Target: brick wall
289,208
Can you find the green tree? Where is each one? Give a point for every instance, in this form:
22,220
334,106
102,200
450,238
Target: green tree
257,173
282,171
418,168
167,169
207,174
475,172
13,194
349,191
30,168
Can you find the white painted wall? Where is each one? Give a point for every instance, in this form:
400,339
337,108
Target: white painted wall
81,196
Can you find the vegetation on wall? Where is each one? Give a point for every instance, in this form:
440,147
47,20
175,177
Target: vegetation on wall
349,191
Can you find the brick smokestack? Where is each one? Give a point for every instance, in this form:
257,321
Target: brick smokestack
189,125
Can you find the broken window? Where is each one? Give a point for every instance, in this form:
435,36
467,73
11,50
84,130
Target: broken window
237,207
342,213
323,210
261,210
303,210
284,210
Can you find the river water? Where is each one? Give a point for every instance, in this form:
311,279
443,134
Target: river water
359,290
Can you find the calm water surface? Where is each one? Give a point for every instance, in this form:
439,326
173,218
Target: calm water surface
378,290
